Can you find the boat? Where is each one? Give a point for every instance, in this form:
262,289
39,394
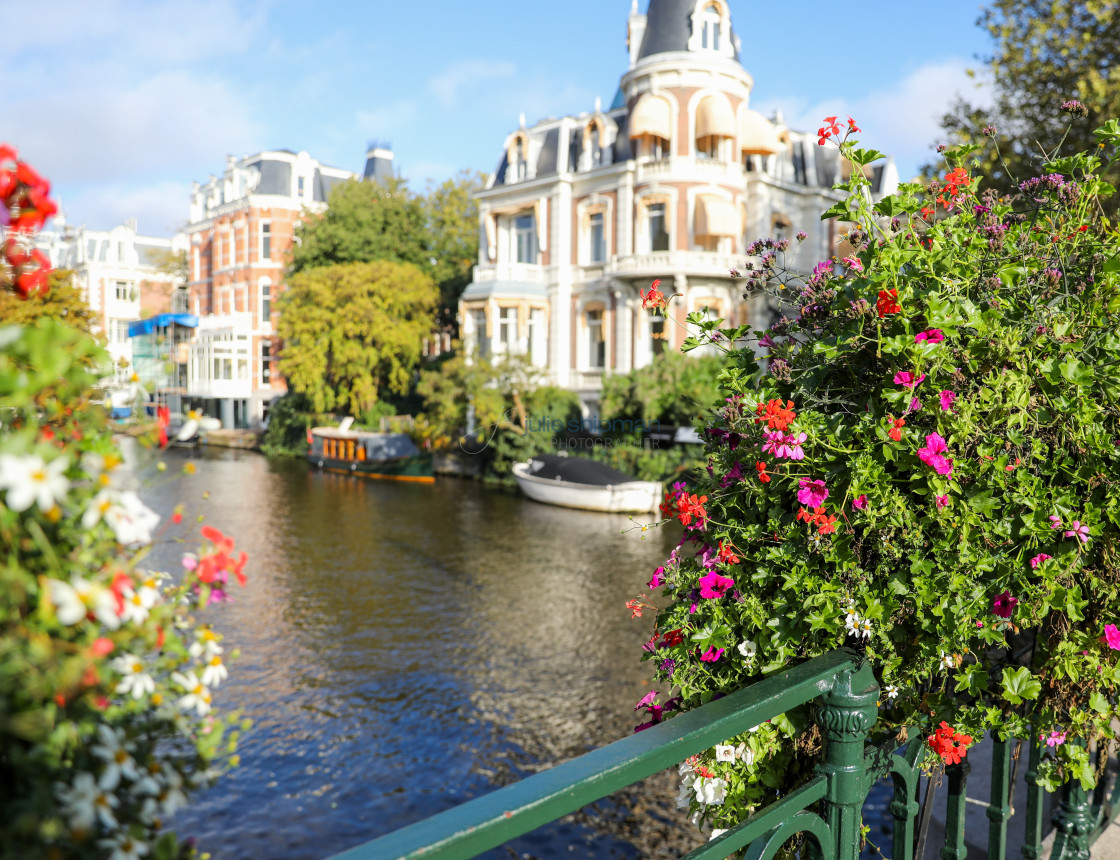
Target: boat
389,456
575,482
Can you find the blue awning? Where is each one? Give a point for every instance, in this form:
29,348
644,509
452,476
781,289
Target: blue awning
161,321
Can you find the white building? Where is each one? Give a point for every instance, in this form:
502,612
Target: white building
671,182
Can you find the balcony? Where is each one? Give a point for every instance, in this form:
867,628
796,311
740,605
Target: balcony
524,272
661,264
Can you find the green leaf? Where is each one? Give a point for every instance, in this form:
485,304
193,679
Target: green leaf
1019,685
865,156
984,502
1098,702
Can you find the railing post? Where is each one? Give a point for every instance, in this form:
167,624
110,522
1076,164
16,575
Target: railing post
1075,823
846,715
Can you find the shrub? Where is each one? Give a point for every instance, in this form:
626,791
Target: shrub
925,472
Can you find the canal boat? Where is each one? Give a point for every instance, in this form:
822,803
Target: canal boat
388,456
576,482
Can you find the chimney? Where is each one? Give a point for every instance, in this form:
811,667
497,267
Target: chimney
379,162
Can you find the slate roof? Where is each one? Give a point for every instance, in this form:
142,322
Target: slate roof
668,27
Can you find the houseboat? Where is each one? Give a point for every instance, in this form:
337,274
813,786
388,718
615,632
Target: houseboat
389,456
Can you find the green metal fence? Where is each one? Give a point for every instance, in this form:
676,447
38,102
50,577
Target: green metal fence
826,809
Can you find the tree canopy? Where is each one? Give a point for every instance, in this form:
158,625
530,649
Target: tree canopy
62,301
352,329
1045,53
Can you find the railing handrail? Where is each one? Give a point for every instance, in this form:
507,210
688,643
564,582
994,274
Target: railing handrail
489,821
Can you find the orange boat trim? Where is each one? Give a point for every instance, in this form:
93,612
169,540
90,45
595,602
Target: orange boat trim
416,479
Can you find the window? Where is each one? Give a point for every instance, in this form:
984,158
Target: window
597,240
478,323
299,187
507,329
265,301
526,229
597,345
233,247
657,334
654,147
658,235
708,147
710,26
118,331
122,290
266,362
266,241
521,158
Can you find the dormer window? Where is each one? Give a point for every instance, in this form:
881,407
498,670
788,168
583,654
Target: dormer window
710,22
521,159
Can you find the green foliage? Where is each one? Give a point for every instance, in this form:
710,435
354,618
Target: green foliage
62,302
105,666
672,389
1044,54
452,218
352,330
939,432
289,419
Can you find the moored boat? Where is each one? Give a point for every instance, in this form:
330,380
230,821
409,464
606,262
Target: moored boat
575,482
389,456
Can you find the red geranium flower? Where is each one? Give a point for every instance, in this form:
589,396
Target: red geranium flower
887,303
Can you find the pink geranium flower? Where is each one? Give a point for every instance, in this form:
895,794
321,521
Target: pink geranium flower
933,455
947,398
1055,522
1111,637
784,447
933,335
711,655
915,405
860,502
714,585
1039,559
905,377
942,501
1055,739
1003,604
1078,531
811,493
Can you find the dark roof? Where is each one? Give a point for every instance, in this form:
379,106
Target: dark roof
668,27
550,147
276,177
322,185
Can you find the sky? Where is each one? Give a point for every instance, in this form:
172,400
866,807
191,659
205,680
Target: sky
123,103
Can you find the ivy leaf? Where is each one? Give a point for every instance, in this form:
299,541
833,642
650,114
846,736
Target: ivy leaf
1098,702
1019,684
984,502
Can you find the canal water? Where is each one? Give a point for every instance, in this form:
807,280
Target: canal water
405,648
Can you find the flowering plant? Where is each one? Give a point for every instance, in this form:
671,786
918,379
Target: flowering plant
106,668
935,442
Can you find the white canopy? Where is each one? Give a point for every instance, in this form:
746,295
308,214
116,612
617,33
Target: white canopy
651,115
716,217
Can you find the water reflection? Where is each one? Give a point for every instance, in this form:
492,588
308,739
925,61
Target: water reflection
406,648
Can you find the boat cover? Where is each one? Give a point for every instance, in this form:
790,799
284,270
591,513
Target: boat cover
389,446
576,470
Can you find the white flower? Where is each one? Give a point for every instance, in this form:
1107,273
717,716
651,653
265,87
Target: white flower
947,661
717,833
148,783
124,847
84,802
173,798
197,697
749,649
117,755
725,752
851,620
75,599
149,589
685,793
214,672
206,644
131,520
891,691
136,681
29,481
864,628
135,612
709,792
745,753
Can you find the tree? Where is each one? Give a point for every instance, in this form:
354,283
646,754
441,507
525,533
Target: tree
351,330
1045,54
363,222
63,301
452,216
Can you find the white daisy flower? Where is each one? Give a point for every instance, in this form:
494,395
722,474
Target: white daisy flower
29,480
205,644
99,506
131,520
891,692
124,846
172,798
75,599
863,628
149,589
947,661
214,672
852,620
83,802
117,755
136,682
197,697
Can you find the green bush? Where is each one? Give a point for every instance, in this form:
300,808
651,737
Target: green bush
289,419
925,472
672,389
106,666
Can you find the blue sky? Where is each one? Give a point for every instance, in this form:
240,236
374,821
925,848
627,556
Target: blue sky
122,103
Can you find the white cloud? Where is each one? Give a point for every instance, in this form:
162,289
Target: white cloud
902,119
160,208
465,75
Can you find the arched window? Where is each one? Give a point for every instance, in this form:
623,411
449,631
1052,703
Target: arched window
715,128
710,22
651,127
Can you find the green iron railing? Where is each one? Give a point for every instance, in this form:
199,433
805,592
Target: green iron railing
844,694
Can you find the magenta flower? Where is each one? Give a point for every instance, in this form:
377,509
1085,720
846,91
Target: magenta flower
933,335
767,341
735,473
1003,604
1039,559
1056,738
784,447
713,585
933,455
1111,637
942,501
648,699
711,655
905,377
1055,522
1078,531
655,582
860,502
947,398
811,493
915,405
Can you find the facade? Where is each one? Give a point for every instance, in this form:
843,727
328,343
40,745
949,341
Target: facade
120,273
670,182
239,235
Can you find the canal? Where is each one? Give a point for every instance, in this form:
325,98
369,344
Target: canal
405,648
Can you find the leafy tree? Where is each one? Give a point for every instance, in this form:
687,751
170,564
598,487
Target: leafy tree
672,389
363,222
176,265
63,301
1045,54
351,330
452,215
